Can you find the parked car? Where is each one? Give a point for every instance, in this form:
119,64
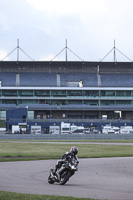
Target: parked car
78,131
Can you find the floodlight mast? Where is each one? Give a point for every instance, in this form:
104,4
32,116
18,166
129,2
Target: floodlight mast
114,48
114,52
67,48
17,50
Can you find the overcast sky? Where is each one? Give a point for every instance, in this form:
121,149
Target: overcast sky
90,27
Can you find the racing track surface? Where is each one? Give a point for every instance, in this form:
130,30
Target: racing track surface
98,178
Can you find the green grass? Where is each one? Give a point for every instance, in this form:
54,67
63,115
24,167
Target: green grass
17,196
2,124
35,151
74,141
18,151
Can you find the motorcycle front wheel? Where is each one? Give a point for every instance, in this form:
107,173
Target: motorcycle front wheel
65,177
50,180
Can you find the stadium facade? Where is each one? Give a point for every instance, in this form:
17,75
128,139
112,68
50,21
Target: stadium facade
89,93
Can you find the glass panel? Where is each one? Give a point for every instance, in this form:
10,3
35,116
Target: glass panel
123,102
108,93
120,93
8,93
9,101
91,93
74,102
26,92
91,102
74,93
58,102
128,93
108,102
48,102
30,114
123,93
42,93
27,101
2,114
58,93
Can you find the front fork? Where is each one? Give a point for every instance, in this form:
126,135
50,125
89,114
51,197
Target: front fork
54,177
59,172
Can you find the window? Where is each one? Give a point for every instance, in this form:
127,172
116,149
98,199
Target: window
108,102
108,93
91,93
74,93
8,93
74,102
122,102
9,101
26,92
95,102
40,93
58,93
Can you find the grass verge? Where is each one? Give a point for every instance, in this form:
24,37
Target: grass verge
37,151
72,141
18,196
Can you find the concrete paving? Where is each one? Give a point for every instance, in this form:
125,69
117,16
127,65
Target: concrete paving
98,178
74,142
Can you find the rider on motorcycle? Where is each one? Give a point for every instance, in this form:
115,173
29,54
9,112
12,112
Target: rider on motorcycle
68,156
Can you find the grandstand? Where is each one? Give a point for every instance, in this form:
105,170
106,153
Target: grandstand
53,93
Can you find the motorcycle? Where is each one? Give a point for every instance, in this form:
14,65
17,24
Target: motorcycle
63,173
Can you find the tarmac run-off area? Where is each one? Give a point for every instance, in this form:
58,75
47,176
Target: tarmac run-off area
98,178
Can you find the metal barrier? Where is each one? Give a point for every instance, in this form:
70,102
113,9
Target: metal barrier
66,137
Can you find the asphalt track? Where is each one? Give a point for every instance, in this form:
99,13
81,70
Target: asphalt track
98,178
74,142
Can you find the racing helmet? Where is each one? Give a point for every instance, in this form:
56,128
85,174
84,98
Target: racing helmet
74,150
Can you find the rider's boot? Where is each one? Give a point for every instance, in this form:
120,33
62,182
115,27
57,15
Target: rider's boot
54,171
57,176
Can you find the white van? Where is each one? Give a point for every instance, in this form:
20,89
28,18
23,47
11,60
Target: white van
65,128
126,129
108,129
